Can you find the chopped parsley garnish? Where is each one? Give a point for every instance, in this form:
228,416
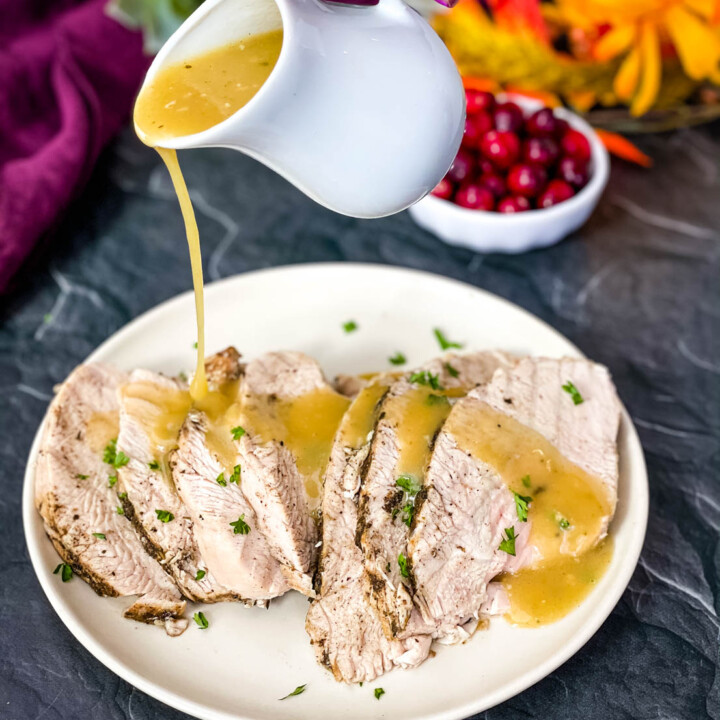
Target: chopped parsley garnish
379,692
350,326
451,371
182,376
299,690
122,495
563,522
120,459
425,378
154,465
433,399
200,574
65,570
408,512
409,484
201,620
195,345
235,476
397,359
109,452
240,527
573,392
444,343
403,564
508,542
100,536
525,480
521,505
164,516
82,477
237,432
120,510
112,479
220,480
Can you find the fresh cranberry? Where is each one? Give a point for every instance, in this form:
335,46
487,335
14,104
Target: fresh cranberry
541,123
475,197
556,192
513,204
444,189
475,127
527,180
477,100
508,117
485,166
501,148
462,167
562,126
575,144
494,183
541,151
573,171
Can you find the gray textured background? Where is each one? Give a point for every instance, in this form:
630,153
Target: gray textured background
637,289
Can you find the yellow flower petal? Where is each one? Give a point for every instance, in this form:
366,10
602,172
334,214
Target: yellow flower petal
613,43
650,70
696,44
628,76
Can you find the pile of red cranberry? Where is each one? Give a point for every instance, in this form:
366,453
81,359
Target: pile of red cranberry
511,163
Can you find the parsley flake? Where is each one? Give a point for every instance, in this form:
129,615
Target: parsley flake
433,399
350,326
119,510
525,480
182,376
240,527
220,480
408,513
112,479
574,393
235,477
563,522
508,542
521,505
397,359
100,536
195,345
444,343
237,432
201,620
110,451
379,692
425,378
65,570
154,465
199,575
82,477
122,495
409,484
164,516
299,690
403,564
120,459
451,371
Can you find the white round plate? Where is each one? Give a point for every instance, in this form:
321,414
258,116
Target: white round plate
248,658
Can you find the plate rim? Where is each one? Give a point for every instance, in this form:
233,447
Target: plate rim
487,700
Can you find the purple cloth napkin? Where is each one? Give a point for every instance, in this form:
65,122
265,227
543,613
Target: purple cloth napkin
68,76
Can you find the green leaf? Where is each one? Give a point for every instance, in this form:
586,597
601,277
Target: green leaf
299,690
408,513
65,570
154,465
433,399
444,343
119,510
521,505
101,536
563,522
397,359
425,378
526,481
164,516
82,477
240,527
350,326
110,451
237,432
112,479
409,484
199,575
195,345
403,564
201,620
508,542
220,480
235,477
122,495
120,459
574,393
451,371
379,692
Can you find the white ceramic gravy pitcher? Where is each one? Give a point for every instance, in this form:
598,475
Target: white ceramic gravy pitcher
363,112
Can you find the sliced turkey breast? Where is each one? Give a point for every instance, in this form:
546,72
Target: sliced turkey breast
79,504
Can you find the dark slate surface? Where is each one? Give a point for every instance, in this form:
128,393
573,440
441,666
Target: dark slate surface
636,289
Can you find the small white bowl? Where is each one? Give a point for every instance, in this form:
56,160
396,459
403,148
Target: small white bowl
518,232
